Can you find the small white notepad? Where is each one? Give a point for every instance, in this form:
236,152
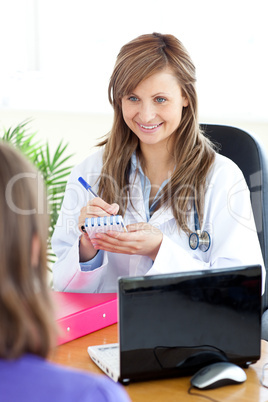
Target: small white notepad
104,224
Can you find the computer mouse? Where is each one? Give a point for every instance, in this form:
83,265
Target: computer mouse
217,375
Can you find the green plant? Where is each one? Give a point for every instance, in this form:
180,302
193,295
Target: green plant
52,167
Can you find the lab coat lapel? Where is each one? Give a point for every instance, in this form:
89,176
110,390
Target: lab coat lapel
139,265
136,213
161,216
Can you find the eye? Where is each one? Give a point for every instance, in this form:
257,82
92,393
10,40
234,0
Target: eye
159,99
132,98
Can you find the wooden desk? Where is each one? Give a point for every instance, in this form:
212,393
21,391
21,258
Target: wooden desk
75,354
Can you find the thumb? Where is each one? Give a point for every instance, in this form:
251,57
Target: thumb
114,208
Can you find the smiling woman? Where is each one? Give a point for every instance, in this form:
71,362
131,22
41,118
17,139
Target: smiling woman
147,68
155,108
158,170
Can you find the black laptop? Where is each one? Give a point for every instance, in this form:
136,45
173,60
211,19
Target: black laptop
173,325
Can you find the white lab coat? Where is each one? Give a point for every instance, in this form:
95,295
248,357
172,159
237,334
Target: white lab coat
227,217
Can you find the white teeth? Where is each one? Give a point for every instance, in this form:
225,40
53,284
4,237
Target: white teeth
149,127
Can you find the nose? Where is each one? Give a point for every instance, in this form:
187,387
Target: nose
147,112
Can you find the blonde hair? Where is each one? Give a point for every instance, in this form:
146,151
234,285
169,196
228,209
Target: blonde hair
193,153
25,306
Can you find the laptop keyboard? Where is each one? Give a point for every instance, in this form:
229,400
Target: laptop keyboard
107,358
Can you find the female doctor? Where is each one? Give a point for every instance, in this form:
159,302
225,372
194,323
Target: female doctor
185,206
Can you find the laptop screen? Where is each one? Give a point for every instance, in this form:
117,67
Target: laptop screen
174,324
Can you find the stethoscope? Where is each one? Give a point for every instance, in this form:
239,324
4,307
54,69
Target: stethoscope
198,239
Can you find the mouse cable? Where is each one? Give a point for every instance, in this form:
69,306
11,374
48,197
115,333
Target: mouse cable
190,392
263,376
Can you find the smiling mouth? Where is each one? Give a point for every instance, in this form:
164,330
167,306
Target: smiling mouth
150,127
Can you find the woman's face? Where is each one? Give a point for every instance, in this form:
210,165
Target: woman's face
153,110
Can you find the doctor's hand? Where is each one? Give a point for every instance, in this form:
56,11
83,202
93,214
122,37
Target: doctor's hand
141,238
94,208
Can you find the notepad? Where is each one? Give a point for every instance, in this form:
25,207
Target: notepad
104,224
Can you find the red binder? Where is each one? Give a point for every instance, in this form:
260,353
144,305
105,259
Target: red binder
79,314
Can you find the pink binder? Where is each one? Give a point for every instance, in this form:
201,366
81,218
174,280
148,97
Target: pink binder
79,314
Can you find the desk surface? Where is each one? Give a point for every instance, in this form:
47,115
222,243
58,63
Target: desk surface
75,354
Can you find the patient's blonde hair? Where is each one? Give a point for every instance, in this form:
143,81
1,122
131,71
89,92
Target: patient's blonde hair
26,314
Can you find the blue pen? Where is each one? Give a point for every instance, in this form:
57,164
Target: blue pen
89,189
87,186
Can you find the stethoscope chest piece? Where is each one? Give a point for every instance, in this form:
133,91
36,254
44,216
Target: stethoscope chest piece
198,239
201,241
193,241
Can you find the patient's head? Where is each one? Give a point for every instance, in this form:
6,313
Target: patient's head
25,310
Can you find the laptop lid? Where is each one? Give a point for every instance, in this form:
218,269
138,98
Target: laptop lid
174,324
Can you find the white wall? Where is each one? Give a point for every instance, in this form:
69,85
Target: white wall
82,131
58,54
57,57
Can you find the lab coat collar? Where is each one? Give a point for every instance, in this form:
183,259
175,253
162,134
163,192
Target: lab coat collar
136,195
137,214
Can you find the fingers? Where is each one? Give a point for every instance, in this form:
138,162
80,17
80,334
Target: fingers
137,226
141,239
95,208
142,228
114,209
98,207
111,242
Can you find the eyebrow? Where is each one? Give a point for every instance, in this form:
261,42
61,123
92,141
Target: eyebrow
153,96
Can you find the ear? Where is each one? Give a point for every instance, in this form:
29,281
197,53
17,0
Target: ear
35,251
185,102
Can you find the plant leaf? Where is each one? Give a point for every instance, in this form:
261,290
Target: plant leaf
52,168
